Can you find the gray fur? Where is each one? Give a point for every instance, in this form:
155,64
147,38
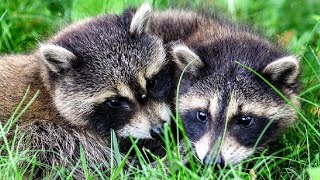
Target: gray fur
59,146
80,72
56,58
225,90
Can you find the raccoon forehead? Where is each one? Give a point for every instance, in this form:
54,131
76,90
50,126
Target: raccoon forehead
107,38
108,68
122,60
220,55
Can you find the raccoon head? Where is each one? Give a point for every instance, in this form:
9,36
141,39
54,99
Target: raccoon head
108,73
228,112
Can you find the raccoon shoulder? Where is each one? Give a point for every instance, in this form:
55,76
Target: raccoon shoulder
17,73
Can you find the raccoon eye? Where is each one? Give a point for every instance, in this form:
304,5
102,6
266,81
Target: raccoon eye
151,83
246,121
115,103
202,116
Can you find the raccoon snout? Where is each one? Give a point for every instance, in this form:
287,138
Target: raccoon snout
157,132
214,160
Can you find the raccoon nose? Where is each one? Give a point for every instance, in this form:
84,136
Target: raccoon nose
214,160
157,132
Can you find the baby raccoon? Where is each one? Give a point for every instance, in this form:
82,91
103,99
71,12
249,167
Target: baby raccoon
99,74
109,73
225,108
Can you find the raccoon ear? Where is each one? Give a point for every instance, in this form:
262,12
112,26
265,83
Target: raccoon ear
56,57
285,70
140,20
184,56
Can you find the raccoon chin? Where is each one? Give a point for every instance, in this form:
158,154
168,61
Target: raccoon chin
147,147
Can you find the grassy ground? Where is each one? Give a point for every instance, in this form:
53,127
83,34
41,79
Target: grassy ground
295,24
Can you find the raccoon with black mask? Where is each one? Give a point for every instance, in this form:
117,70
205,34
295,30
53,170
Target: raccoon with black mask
224,107
99,74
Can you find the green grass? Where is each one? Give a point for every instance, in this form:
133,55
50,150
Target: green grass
296,24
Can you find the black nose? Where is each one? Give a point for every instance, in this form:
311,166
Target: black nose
157,132
214,160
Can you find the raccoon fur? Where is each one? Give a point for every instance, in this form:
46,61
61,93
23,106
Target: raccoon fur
224,106
99,74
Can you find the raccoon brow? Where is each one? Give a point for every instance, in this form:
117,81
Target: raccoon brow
194,103
241,113
101,97
123,92
142,80
126,92
258,110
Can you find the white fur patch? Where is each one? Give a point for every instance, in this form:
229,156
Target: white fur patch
213,106
142,80
126,91
138,127
186,103
202,146
232,106
233,153
147,118
259,108
102,96
163,111
71,108
137,130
